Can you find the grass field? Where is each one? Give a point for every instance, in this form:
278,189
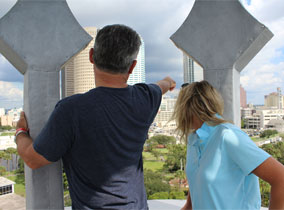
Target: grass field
153,165
19,186
7,134
256,139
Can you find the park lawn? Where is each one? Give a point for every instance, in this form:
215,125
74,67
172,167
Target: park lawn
164,151
256,139
7,134
153,165
19,186
148,156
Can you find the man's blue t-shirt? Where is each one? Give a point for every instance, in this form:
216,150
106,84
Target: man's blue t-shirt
100,136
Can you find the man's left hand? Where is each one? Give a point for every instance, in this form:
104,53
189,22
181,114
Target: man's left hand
22,123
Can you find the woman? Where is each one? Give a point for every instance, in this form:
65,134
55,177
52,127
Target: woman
223,163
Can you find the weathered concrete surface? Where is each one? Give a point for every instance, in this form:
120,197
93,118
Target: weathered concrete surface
222,37
38,37
12,202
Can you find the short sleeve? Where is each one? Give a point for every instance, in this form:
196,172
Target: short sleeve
56,137
243,151
154,94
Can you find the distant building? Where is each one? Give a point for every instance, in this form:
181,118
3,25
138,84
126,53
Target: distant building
6,186
163,117
243,97
276,125
192,71
263,118
274,100
78,74
6,120
2,112
138,74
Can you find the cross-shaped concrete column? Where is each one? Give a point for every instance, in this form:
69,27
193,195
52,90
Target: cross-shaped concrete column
38,37
222,37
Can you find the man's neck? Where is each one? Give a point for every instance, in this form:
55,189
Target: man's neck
104,79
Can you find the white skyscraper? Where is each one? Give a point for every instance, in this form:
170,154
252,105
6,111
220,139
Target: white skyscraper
138,74
192,71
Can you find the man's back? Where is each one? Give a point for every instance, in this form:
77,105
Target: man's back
101,136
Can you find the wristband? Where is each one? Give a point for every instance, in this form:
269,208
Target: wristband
18,131
21,129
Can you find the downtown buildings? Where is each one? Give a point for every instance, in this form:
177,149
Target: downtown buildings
269,116
192,71
78,75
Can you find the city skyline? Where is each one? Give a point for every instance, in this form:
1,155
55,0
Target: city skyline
138,74
79,72
262,75
192,71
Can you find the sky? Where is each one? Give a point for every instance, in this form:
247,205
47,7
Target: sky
156,21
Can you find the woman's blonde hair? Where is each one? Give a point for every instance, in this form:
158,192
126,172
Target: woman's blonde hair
199,99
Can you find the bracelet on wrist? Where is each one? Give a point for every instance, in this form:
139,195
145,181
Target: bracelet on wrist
19,131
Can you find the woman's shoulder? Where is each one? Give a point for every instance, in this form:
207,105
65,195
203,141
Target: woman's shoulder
229,128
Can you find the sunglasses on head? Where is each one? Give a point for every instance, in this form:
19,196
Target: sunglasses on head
184,85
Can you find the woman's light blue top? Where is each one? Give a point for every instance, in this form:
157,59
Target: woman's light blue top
220,160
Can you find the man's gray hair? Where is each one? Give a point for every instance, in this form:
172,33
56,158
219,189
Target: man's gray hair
115,49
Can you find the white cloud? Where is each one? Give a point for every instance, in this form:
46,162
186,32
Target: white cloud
9,92
2,59
265,72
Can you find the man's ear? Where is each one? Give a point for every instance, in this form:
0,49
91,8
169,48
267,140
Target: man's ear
132,67
91,54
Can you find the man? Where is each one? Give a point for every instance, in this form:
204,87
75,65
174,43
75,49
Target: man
100,134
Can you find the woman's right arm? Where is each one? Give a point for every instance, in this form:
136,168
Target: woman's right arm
188,205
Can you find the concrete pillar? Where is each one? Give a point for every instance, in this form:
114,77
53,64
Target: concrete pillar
222,37
38,37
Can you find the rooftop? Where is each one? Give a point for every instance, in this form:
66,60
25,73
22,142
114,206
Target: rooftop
5,182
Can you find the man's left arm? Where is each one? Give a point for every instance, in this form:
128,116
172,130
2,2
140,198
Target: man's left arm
25,146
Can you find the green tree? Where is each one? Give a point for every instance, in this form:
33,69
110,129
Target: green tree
277,151
7,157
154,183
242,123
156,153
177,195
265,193
163,139
10,151
2,170
180,175
150,145
5,128
159,195
176,158
21,166
2,155
268,133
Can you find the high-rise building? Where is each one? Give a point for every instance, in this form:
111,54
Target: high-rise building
2,112
138,74
79,73
275,99
243,97
192,71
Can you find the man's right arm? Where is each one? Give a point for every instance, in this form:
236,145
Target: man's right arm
166,84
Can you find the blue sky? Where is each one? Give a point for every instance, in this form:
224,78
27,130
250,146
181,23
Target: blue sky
156,21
